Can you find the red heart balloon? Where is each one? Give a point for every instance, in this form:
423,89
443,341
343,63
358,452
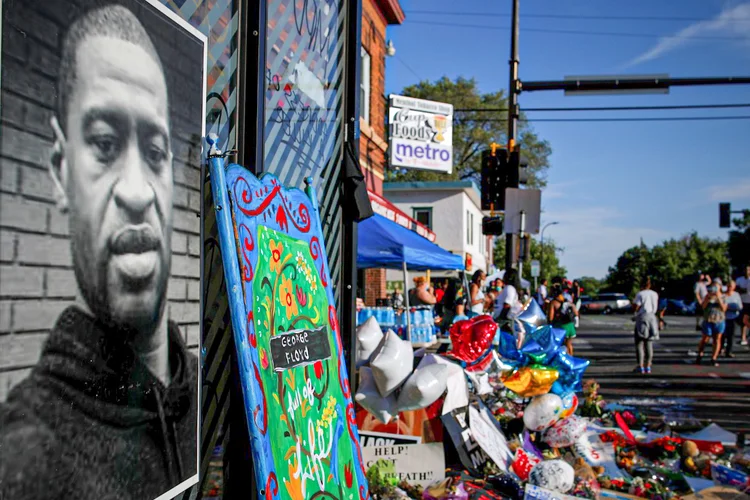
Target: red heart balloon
472,337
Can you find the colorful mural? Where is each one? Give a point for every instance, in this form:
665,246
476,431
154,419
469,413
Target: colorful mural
298,402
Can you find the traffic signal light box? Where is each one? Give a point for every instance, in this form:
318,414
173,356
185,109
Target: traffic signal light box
500,170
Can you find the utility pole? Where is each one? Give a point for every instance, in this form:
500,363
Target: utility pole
512,113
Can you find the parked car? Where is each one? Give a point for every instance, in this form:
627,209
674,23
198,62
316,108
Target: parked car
607,303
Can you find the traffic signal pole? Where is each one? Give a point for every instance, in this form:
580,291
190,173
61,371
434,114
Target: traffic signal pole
513,113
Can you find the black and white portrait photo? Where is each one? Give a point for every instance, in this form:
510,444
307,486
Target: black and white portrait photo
101,123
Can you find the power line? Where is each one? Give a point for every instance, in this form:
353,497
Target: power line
408,67
571,32
614,108
571,16
639,119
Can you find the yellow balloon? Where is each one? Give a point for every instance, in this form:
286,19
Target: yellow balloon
527,381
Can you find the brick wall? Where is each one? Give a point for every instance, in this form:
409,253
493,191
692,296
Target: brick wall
36,276
371,154
374,286
373,41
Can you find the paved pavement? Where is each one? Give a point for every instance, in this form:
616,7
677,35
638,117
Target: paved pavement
677,390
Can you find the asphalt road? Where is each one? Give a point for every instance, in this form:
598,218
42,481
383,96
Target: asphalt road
677,390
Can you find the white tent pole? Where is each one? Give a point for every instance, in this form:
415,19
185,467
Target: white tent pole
406,299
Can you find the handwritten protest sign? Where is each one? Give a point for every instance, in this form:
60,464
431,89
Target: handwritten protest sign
416,463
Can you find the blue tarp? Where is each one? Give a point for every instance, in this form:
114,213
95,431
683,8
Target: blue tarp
382,243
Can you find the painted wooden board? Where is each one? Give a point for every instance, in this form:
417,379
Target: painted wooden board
297,397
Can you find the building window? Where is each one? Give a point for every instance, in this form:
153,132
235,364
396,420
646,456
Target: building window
423,215
468,228
364,85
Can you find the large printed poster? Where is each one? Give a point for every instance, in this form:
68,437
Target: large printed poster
103,113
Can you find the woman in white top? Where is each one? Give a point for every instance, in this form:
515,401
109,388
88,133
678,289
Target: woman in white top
733,300
476,293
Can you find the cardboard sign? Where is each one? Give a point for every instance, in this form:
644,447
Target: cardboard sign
299,348
416,463
490,439
370,438
597,453
472,456
538,493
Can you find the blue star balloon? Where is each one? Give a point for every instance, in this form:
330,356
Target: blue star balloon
546,340
571,370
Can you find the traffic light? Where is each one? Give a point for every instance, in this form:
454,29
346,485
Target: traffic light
494,179
725,218
518,172
492,225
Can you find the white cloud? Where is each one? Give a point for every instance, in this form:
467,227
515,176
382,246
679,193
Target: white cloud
592,238
731,21
736,190
558,190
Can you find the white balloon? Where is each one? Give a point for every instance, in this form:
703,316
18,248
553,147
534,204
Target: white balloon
542,412
565,432
369,336
368,396
391,363
555,475
423,388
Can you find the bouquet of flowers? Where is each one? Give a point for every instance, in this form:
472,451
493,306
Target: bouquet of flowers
593,404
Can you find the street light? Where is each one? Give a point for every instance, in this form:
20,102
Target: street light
541,260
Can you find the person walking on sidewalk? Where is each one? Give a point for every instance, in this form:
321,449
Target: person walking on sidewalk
700,290
646,305
714,323
733,317
743,286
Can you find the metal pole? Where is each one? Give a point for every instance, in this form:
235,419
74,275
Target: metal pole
521,240
512,112
406,301
541,259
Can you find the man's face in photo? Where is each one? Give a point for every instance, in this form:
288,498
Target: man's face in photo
118,181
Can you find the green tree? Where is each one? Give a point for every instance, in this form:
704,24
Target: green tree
672,265
590,285
474,131
550,265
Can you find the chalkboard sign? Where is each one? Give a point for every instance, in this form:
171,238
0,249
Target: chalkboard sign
299,348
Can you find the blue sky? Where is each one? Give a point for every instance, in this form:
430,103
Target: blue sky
610,184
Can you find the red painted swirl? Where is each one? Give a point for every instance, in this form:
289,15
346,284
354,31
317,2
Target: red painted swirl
315,247
251,330
248,244
264,427
272,492
242,194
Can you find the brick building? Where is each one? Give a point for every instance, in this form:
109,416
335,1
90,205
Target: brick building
36,274
377,15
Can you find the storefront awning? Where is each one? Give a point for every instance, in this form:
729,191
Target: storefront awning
382,243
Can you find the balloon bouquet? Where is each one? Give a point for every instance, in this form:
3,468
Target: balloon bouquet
540,369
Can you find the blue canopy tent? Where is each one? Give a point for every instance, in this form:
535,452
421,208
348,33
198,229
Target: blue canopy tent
385,244
382,243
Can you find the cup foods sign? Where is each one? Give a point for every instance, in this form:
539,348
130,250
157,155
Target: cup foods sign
421,134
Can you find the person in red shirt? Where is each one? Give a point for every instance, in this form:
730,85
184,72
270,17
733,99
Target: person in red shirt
440,292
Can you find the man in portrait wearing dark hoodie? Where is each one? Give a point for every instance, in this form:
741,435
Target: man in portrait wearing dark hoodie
110,410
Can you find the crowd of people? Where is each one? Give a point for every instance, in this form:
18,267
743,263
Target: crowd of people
502,298
722,311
